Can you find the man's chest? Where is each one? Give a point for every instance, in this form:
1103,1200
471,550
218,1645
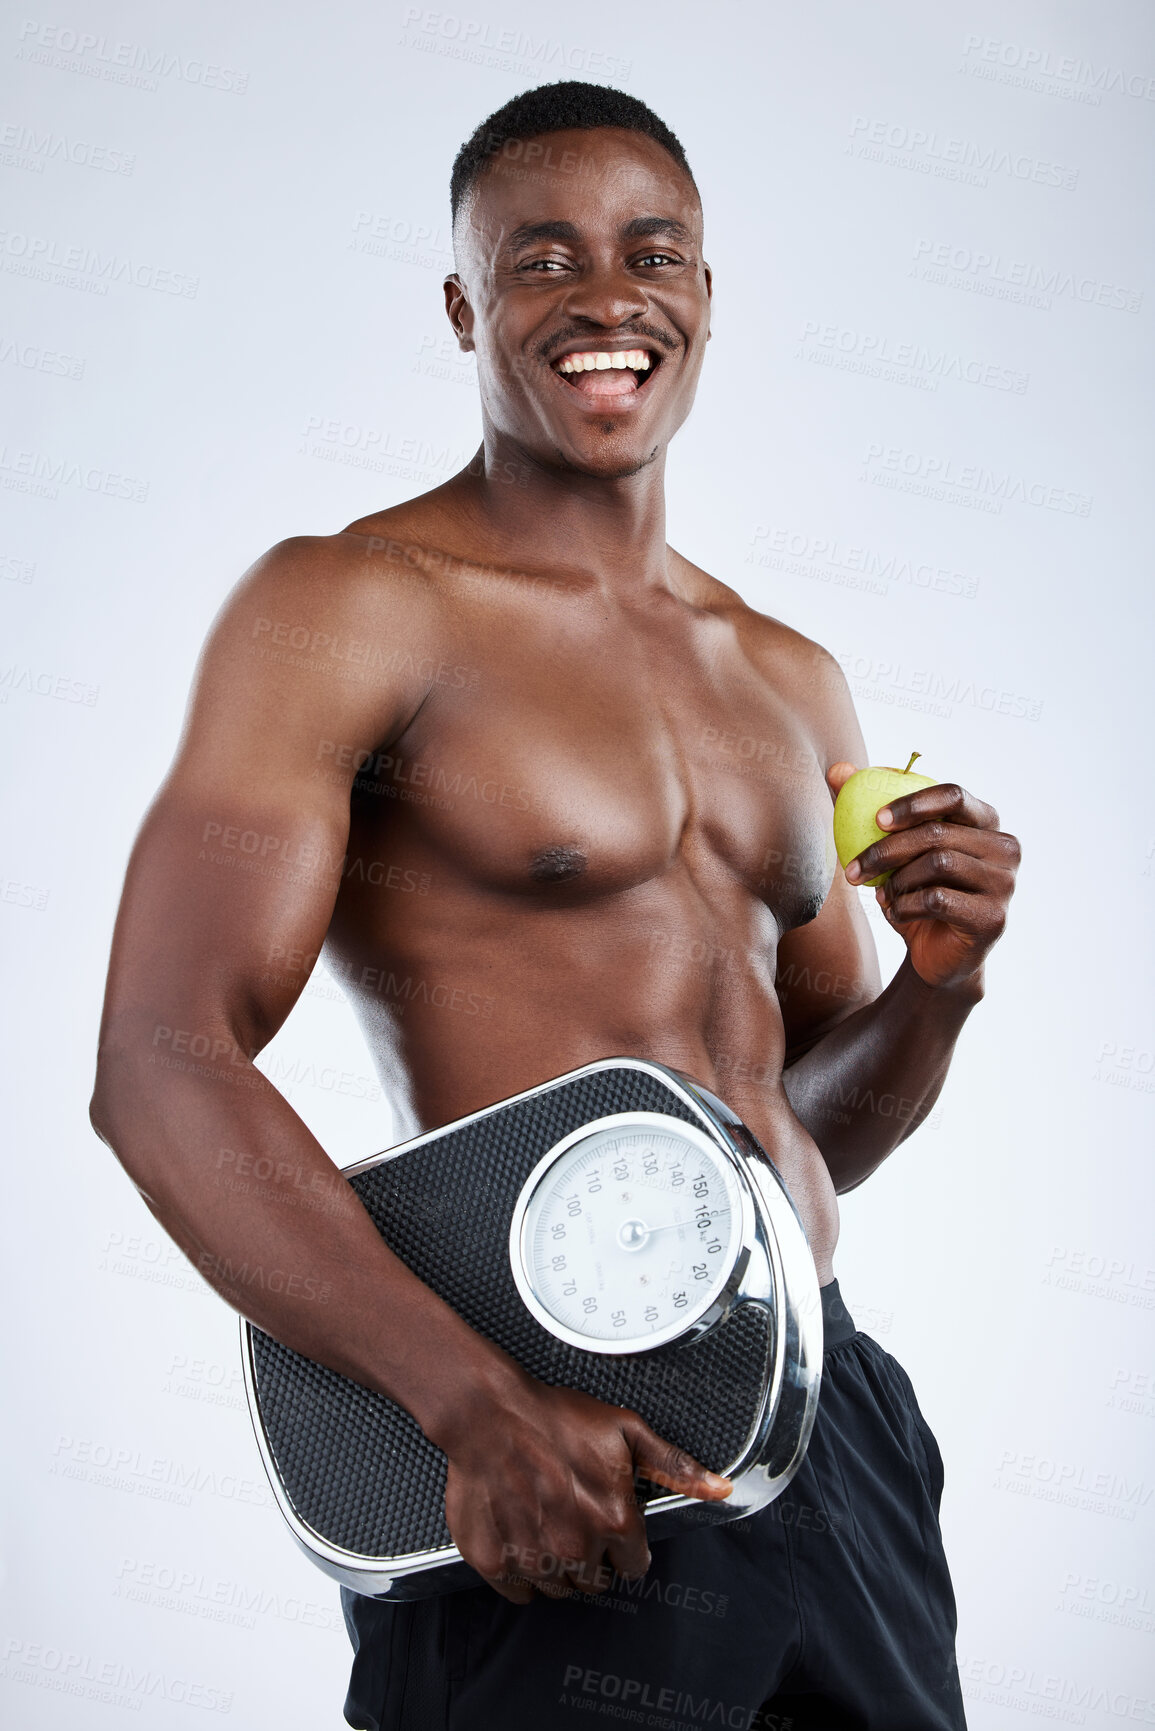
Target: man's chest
587,763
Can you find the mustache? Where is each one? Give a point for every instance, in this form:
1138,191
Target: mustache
562,340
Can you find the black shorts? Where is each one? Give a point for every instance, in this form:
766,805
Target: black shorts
830,1608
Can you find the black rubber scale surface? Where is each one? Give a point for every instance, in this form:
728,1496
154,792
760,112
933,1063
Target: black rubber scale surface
357,1468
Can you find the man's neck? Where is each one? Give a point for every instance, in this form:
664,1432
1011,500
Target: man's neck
613,529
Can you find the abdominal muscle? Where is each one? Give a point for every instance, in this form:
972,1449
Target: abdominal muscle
465,1011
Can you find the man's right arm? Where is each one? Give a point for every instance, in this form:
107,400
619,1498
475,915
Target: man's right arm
238,862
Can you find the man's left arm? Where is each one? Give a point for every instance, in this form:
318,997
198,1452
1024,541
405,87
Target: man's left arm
861,1079
865,1065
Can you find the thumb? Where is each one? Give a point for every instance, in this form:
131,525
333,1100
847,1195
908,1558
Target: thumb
669,1466
838,774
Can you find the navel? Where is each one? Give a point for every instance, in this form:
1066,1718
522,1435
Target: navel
553,865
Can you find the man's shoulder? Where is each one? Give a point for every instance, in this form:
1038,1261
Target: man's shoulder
372,556
346,624
376,575
775,647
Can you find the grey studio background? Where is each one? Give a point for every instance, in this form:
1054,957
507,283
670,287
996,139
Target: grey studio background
921,437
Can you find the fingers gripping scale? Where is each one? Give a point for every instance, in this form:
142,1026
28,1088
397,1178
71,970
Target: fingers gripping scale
617,1230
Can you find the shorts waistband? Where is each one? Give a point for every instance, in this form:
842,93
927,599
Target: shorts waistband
838,1326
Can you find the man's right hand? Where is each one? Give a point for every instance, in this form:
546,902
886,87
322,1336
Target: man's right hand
540,1491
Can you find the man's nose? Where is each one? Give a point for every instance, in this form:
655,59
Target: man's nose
606,296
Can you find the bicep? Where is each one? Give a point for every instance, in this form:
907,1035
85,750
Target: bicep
234,875
829,968
224,910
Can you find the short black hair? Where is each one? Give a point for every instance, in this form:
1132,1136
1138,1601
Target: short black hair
567,107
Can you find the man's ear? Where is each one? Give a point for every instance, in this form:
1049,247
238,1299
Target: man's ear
460,312
709,275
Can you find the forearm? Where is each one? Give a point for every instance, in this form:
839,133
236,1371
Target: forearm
249,1194
866,1085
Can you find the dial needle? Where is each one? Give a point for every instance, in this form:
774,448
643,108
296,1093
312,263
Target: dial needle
632,1234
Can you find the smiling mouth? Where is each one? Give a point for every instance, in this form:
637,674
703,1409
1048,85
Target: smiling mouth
602,373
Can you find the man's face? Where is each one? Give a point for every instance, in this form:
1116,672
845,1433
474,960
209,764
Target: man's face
583,245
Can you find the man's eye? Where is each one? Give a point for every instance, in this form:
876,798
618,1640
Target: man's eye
658,258
545,264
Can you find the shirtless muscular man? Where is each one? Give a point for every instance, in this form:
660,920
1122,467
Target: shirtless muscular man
512,693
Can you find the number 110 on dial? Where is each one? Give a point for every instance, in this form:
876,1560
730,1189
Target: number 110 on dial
626,1235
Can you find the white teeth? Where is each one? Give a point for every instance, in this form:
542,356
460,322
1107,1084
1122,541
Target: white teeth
598,361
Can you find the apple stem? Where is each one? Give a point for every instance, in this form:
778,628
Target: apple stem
913,755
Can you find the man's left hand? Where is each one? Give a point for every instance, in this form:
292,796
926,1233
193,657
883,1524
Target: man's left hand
953,877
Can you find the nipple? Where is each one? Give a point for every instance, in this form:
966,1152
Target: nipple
555,864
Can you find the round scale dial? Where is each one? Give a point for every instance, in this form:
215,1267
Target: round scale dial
627,1234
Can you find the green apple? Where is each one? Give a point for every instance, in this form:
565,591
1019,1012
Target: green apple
859,799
